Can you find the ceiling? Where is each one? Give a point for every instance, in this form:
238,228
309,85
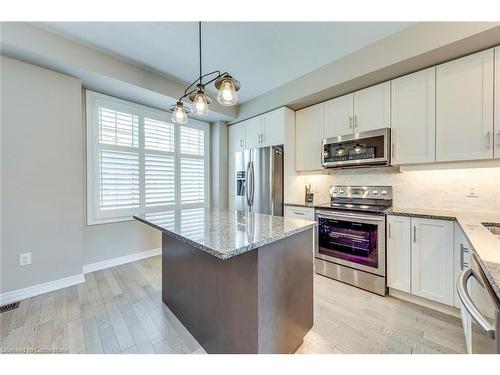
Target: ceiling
261,55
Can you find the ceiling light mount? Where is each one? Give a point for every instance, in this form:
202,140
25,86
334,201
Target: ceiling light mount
223,82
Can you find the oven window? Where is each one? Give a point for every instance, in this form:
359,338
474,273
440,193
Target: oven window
353,242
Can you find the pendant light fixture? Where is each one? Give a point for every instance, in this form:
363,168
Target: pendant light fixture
226,96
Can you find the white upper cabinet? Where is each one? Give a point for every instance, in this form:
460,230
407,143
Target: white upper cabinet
372,108
339,116
496,151
432,259
398,253
253,132
308,137
413,109
273,127
464,108
237,137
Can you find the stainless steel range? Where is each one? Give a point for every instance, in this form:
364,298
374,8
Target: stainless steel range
351,236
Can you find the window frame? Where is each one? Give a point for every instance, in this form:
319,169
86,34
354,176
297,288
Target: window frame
94,214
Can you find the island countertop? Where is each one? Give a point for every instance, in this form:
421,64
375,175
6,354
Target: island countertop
221,233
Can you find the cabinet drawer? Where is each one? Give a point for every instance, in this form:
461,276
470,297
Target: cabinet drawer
304,213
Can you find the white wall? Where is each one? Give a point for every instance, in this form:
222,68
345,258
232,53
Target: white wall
43,178
443,188
219,167
41,166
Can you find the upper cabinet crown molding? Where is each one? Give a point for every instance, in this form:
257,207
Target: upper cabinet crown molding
372,108
464,108
413,121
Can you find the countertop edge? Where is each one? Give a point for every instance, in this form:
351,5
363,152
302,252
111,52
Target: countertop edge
238,251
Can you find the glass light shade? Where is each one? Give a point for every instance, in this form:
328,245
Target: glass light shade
227,93
179,115
200,103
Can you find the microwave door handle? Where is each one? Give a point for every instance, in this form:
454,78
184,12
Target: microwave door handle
464,296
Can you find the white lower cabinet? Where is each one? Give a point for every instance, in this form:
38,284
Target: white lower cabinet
303,213
432,259
398,253
420,257
461,259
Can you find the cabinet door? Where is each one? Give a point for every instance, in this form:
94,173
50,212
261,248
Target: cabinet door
339,116
461,259
273,128
372,108
253,132
413,126
496,151
237,137
432,259
398,253
464,108
308,138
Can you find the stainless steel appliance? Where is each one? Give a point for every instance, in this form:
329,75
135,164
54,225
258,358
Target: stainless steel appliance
259,180
480,310
351,236
357,150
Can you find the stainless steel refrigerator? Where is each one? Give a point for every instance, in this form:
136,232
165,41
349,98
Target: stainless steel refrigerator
259,180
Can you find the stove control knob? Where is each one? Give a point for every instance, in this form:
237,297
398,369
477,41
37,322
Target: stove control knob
335,191
341,191
375,192
383,192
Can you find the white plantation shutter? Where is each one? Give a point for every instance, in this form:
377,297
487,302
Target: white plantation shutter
118,180
192,165
139,162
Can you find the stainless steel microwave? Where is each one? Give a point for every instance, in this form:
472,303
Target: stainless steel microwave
357,149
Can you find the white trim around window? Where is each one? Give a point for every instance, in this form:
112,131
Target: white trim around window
138,161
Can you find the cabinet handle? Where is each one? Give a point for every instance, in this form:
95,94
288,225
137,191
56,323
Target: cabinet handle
297,213
355,121
414,234
462,251
488,140
350,122
392,150
389,227
261,138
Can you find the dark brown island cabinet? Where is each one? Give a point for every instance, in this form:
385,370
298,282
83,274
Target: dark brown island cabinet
240,282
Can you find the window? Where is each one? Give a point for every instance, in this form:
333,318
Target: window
138,161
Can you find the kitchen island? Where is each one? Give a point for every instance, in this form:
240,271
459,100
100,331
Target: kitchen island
239,282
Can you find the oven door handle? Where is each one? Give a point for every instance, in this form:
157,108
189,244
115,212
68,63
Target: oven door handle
469,305
327,215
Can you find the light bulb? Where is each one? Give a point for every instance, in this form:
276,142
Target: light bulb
227,93
200,103
179,115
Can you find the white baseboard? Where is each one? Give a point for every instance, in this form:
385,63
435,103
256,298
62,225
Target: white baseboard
120,260
20,294
450,310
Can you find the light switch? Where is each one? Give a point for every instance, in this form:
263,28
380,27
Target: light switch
24,259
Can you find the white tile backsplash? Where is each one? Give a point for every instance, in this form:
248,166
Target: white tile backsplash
440,189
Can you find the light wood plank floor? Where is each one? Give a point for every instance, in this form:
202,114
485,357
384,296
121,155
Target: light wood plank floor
119,310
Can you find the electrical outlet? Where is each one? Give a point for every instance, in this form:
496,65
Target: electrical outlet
24,259
471,191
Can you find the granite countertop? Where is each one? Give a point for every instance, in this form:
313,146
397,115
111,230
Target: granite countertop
484,243
224,234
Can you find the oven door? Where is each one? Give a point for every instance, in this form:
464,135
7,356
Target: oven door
353,240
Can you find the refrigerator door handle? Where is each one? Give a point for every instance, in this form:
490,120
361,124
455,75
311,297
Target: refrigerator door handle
247,188
252,171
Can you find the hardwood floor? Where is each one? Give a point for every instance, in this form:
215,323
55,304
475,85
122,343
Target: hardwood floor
119,310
